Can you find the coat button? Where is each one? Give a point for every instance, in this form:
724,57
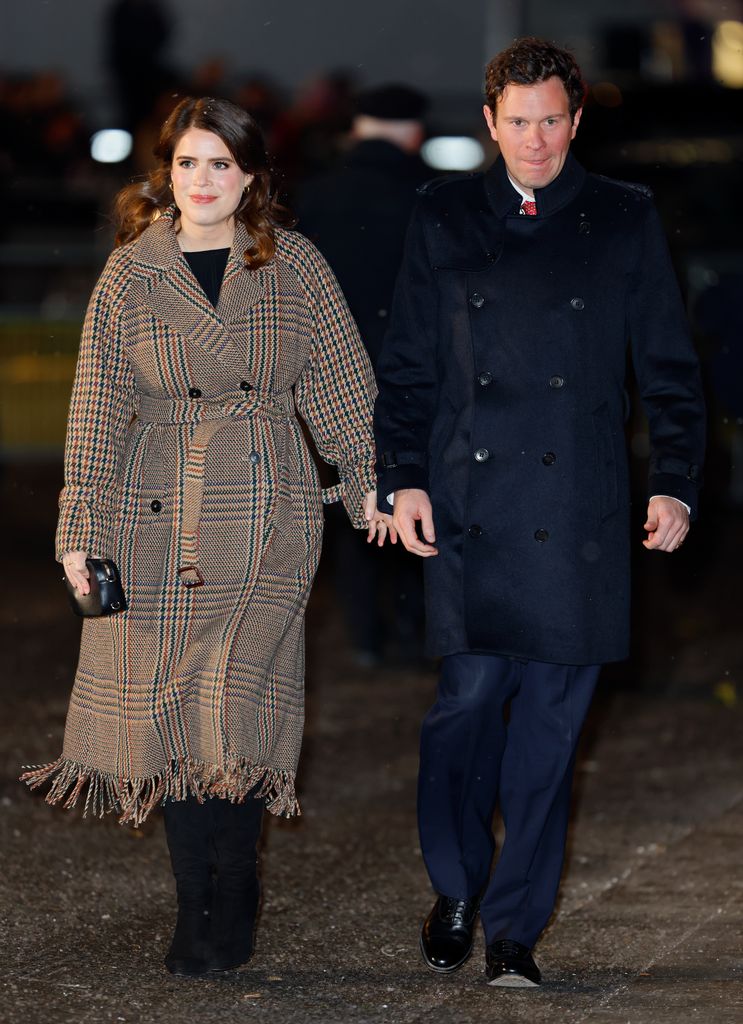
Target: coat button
541,536
584,228
483,379
246,386
194,393
549,458
475,530
482,455
557,382
255,458
477,300
577,303
156,506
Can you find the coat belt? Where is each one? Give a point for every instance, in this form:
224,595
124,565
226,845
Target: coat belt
209,417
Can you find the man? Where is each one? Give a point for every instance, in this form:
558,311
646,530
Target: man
500,431
357,215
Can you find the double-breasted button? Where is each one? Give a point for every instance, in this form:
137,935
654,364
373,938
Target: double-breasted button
549,458
246,386
557,382
475,530
541,536
156,506
477,300
255,458
482,455
577,302
194,393
483,379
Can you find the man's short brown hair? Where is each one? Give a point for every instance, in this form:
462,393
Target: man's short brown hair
529,61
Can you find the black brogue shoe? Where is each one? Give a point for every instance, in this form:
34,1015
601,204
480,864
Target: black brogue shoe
508,964
447,933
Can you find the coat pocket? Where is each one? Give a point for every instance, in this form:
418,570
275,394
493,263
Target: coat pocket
295,534
606,463
145,497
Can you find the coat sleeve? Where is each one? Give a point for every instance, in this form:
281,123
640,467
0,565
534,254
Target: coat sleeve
101,410
335,393
407,372
667,370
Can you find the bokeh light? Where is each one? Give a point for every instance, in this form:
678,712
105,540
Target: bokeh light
453,153
111,146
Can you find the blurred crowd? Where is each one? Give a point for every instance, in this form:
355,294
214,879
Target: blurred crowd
46,131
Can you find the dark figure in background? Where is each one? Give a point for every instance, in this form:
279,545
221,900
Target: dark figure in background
357,216
137,34
719,316
500,421
304,139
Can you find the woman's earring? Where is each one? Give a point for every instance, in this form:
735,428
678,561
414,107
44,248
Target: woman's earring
170,185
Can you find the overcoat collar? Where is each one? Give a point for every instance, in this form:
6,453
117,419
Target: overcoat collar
504,198
178,299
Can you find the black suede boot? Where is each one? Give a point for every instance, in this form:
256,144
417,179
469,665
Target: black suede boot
237,893
189,828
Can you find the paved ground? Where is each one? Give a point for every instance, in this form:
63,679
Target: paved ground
650,923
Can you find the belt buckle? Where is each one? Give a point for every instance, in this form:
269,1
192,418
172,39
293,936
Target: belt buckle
191,583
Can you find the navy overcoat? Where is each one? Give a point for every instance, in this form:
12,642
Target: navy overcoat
502,394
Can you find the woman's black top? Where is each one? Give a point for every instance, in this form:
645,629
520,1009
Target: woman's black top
208,269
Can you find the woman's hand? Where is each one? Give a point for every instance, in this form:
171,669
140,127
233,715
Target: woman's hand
380,525
76,570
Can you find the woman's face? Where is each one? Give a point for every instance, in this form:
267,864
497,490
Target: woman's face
208,184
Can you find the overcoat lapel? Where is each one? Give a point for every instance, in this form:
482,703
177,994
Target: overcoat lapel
179,301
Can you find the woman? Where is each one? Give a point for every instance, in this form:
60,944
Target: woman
185,463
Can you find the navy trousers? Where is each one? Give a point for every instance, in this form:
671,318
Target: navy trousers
472,758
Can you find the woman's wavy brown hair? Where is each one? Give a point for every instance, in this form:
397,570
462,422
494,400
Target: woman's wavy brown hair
138,204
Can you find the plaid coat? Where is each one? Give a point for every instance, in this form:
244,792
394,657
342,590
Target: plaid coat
185,463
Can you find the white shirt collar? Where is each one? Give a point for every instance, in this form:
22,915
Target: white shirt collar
524,196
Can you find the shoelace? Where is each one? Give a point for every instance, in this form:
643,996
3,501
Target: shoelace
509,947
454,911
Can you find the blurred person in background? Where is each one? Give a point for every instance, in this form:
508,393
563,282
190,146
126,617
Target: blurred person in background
262,100
209,328
137,35
719,316
305,139
357,215
500,430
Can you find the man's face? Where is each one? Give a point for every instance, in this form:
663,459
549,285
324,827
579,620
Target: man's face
532,126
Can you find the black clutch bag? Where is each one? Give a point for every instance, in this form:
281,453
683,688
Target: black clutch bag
106,593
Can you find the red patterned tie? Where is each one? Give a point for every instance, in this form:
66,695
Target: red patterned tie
529,207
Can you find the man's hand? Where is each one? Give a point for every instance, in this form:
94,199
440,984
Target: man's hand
667,524
413,505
